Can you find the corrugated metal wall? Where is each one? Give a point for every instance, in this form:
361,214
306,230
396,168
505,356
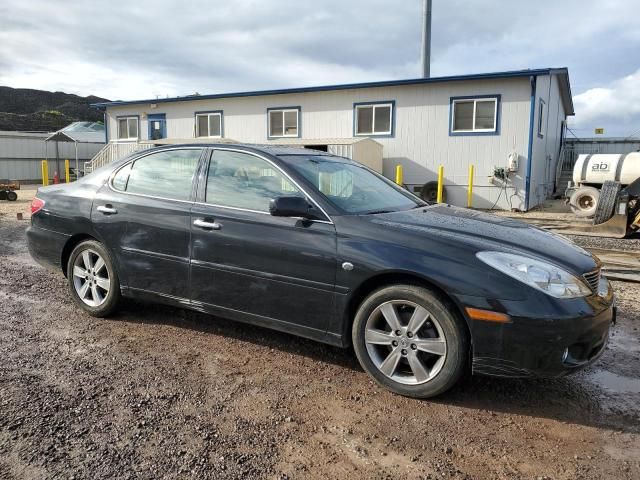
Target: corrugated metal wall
579,146
421,141
21,155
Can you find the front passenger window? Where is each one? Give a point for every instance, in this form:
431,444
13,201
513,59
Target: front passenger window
241,180
167,174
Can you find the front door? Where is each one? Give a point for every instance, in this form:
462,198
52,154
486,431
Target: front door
143,217
245,262
157,126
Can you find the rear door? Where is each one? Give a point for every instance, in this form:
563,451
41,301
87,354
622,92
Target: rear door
143,216
280,271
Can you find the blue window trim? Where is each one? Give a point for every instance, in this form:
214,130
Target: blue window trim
156,116
106,127
498,98
540,119
118,129
296,107
532,109
204,112
376,135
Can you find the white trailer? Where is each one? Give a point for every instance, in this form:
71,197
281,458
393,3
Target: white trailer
591,171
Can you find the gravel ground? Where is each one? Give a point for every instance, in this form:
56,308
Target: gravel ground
558,210
626,244
162,392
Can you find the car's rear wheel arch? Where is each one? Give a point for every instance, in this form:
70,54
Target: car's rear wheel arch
395,278
69,246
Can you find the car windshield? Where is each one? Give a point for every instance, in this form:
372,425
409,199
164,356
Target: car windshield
350,187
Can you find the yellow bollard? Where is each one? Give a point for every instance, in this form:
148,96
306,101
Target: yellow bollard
399,175
440,182
67,171
45,173
470,189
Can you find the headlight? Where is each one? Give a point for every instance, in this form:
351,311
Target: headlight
541,275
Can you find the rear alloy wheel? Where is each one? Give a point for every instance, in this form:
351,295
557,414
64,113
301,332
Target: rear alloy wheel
92,279
410,340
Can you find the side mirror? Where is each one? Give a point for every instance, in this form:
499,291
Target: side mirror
290,206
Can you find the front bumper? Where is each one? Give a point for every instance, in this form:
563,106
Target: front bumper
562,336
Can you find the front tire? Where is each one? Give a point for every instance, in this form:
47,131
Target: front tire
411,340
92,278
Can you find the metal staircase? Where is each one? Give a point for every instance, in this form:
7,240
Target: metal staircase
564,170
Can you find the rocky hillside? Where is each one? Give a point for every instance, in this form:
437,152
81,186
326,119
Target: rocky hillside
24,109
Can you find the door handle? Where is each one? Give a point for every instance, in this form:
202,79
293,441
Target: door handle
107,210
207,225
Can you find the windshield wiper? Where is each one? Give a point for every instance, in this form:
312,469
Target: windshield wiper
375,212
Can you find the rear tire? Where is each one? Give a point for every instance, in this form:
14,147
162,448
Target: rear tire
12,196
584,201
93,281
411,341
607,202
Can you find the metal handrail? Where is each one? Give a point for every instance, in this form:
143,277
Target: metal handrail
113,151
560,166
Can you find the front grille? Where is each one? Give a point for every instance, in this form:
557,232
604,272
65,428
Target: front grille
593,279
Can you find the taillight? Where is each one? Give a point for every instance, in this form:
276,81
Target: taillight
36,205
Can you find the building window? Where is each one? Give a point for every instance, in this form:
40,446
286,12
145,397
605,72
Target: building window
374,119
541,123
477,115
128,128
284,122
209,124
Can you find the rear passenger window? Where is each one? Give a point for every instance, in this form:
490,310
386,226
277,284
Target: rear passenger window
164,174
120,178
245,181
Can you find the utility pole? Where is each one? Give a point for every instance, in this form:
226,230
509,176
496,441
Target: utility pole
426,38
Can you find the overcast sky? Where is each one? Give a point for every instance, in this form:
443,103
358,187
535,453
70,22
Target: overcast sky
142,49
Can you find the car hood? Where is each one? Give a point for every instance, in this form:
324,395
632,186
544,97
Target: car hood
489,232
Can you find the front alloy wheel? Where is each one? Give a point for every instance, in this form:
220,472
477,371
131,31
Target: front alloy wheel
411,340
405,342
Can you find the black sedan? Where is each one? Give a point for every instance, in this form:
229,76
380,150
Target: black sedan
322,247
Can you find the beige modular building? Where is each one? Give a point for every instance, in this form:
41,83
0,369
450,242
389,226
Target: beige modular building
509,125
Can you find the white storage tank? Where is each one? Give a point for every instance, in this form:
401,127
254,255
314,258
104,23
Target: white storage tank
591,171
596,169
